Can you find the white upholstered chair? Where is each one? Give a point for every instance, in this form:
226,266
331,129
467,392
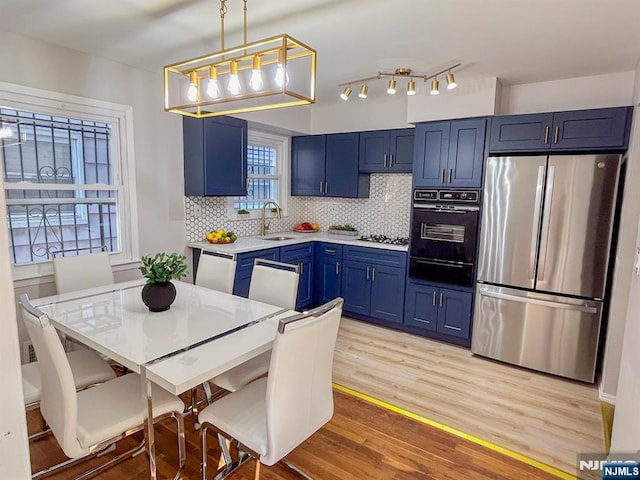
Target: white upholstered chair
216,271
274,283
82,271
88,422
272,416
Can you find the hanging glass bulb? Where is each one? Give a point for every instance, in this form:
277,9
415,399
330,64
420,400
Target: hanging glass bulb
282,77
234,86
213,89
192,92
256,82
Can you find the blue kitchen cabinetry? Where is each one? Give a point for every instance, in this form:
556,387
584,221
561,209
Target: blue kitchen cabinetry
244,268
215,156
327,271
449,153
301,255
373,283
327,166
580,130
387,151
438,311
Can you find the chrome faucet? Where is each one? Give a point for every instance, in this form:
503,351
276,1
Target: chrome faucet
264,225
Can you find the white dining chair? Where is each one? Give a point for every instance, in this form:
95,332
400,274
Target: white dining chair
82,271
270,417
275,283
216,271
88,422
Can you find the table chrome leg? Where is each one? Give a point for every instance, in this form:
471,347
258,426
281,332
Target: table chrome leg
147,414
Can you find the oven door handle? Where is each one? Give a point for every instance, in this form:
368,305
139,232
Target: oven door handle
443,263
433,208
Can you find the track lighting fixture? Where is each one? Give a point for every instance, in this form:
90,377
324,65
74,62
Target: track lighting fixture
402,73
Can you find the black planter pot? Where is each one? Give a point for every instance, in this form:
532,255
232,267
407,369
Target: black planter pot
158,296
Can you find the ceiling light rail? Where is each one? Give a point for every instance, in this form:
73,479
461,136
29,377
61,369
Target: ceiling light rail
401,73
275,72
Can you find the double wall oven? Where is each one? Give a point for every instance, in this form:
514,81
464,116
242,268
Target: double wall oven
444,229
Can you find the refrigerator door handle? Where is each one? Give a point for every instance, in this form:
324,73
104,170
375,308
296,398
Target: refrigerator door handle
536,223
546,220
535,301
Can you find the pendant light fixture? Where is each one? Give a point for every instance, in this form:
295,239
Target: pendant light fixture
402,73
275,72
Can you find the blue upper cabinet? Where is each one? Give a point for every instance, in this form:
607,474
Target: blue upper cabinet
308,165
327,166
449,153
215,156
579,130
387,151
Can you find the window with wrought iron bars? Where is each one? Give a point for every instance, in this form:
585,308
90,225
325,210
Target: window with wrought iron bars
266,176
64,171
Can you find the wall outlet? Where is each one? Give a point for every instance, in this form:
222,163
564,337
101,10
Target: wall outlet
197,211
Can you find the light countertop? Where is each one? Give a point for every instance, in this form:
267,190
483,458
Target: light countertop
251,244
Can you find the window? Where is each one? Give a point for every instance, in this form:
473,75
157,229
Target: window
64,178
267,176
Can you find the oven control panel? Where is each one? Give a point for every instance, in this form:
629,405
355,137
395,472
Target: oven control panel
447,196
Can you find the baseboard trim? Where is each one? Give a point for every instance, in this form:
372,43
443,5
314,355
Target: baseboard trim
432,423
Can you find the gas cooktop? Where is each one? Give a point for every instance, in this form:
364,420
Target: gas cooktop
385,239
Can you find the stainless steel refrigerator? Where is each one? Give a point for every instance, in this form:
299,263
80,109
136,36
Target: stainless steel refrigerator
545,241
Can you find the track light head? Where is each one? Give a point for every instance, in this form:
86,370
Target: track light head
435,87
451,81
411,88
391,89
345,93
364,90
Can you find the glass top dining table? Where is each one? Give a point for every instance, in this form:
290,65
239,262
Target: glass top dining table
203,334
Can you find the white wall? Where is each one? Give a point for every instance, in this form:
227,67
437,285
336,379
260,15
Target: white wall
14,447
612,90
626,424
157,134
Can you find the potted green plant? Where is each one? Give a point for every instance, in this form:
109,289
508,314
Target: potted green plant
242,213
159,293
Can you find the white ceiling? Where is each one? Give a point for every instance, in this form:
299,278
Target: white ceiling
518,41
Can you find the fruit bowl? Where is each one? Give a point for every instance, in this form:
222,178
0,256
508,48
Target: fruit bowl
306,227
221,237
305,231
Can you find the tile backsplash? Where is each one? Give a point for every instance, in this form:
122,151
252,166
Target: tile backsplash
385,212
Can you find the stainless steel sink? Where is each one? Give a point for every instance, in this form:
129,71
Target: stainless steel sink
276,239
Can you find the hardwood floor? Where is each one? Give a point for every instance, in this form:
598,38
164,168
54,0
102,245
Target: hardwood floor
541,416
362,441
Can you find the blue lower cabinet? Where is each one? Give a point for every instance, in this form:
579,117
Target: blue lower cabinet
356,287
437,309
328,281
454,317
421,306
244,268
374,289
301,255
387,293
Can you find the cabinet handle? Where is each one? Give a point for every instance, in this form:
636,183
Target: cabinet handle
301,265
442,176
384,160
337,268
326,187
328,250
321,187
433,299
373,274
391,160
450,174
555,134
546,134
441,299
368,272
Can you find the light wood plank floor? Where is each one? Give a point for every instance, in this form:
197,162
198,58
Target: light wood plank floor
541,416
